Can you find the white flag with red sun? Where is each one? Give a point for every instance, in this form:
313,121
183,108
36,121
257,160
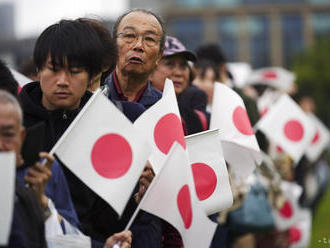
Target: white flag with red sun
171,196
104,150
300,233
288,214
288,126
162,125
240,146
275,77
209,171
320,140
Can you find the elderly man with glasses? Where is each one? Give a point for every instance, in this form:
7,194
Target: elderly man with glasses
140,41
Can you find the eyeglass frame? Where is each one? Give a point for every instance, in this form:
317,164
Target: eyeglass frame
157,41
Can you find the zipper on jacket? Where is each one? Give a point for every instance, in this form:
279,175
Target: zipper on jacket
65,116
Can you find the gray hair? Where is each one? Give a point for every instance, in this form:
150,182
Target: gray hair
7,98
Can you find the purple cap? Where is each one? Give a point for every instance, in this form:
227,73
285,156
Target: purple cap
174,46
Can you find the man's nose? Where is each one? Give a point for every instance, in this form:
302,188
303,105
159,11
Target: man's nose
138,43
63,78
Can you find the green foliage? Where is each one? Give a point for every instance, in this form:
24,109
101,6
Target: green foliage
313,76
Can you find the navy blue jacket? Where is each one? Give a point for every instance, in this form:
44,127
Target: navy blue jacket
148,98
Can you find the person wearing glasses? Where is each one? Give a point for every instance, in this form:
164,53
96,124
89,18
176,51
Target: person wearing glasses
139,36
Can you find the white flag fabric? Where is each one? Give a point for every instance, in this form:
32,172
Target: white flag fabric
288,126
104,150
7,186
240,72
275,77
320,140
171,196
20,78
240,147
162,125
209,171
266,100
288,215
300,233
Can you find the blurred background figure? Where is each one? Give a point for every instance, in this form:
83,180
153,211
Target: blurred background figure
175,65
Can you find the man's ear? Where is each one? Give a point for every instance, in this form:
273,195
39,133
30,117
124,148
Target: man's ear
160,56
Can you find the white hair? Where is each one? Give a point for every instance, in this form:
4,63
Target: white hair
7,98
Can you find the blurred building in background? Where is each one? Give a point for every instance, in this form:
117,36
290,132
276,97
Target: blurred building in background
260,32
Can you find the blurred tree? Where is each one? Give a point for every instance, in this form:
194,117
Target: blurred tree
313,76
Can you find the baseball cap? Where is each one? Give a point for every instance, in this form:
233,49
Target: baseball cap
173,46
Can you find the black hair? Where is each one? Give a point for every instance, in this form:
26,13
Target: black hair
7,80
148,12
70,43
203,65
211,52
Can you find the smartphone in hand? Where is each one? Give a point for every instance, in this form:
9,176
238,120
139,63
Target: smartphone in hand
33,143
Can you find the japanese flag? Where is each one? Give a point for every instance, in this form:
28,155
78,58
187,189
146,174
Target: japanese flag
288,214
7,185
209,171
104,150
288,126
320,140
300,233
20,78
266,100
275,77
240,147
162,125
171,197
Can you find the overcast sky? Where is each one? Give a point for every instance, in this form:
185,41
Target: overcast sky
33,16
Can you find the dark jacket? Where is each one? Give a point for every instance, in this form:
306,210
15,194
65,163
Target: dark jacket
97,218
27,228
192,105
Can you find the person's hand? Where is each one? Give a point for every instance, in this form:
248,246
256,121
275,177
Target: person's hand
38,176
124,239
145,179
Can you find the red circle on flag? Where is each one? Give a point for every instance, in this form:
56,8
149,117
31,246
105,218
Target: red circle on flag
286,210
270,75
205,180
294,130
316,137
168,130
184,206
295,235
111,156
241,121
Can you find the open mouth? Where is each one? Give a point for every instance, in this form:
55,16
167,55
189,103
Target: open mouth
136,60
177,83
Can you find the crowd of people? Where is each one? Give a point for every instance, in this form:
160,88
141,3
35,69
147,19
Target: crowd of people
74,58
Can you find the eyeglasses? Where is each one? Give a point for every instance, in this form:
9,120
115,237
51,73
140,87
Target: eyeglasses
150,40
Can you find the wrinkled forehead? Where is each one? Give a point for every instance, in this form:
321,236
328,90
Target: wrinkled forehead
140,22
